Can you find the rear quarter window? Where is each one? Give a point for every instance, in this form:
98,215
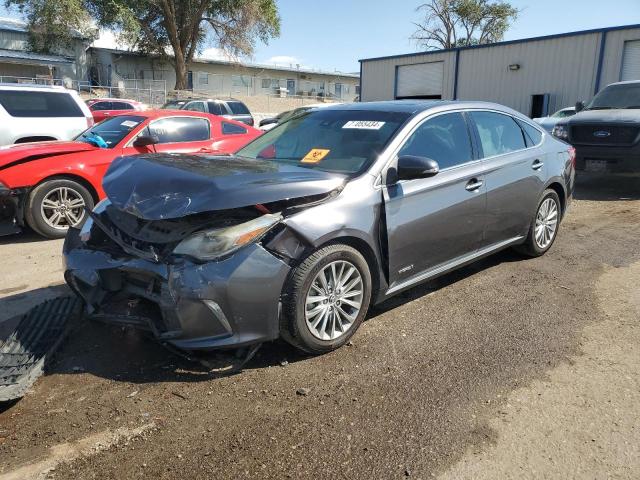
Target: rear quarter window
39,104
232,129
533,136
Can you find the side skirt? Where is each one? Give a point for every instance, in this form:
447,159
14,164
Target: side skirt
453,265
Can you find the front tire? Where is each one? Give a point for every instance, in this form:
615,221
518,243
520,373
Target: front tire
56,204
326,299
544,227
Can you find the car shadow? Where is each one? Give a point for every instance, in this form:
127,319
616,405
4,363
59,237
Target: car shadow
26,236
124,354
607,187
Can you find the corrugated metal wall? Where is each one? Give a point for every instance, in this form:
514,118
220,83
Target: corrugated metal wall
378,76
612,61
564,67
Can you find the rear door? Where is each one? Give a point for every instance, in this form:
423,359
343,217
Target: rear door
515,173
434,221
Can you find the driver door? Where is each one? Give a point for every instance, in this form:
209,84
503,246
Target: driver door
432,222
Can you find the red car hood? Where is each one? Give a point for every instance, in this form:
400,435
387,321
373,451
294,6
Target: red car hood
27,152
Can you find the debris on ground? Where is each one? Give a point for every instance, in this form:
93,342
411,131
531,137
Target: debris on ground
25,351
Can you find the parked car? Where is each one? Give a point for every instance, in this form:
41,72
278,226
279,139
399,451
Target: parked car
102,108
30,113
306,226
269,123
175,104
548,123
227,108
47,185
606,133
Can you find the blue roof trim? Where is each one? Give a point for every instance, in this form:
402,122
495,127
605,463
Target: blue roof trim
508,42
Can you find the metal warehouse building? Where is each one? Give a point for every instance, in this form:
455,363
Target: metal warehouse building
535,76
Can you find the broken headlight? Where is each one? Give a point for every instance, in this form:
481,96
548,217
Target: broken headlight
215,243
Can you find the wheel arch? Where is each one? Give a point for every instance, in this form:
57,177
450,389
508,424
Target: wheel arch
367,252
73,177
558,187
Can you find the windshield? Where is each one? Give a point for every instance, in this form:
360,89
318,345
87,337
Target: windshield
110,133
617,96
343,141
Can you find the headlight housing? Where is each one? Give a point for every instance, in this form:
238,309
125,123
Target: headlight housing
561,132
85,231
216,243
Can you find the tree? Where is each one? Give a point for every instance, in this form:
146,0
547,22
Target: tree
174,29
460,23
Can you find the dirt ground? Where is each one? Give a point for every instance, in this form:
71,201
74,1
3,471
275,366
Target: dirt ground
510,368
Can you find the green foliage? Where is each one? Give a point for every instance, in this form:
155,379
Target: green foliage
176,29
459,23
53,24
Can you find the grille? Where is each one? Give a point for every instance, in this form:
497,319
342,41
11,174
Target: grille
618,134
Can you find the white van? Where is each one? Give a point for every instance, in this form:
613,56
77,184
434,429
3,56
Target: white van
34,113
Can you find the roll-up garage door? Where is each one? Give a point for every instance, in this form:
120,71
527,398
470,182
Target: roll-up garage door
631,61
422,80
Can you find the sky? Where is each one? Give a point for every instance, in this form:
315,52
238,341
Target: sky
335,34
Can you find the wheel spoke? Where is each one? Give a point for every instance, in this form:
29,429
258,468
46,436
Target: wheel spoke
47,203
334,300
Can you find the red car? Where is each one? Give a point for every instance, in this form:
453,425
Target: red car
47,185
103,108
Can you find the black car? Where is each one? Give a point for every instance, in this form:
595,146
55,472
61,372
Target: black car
606,133
228,108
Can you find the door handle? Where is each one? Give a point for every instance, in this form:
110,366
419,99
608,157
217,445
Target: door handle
537,165
473,185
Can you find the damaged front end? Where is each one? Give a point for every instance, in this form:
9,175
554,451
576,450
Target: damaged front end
201,280
146,274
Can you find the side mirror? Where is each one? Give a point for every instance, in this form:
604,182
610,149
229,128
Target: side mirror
267,121
146,141
579,106
413,166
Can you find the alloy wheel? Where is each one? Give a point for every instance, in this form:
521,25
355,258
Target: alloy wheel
546,223
62,207
334,300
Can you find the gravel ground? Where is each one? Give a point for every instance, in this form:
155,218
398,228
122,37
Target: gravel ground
509,368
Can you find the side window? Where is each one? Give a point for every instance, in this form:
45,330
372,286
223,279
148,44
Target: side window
232,129
29,104
195,107
238,108
99,106
444,139
532,134
181,129
217,108
121,106
499,134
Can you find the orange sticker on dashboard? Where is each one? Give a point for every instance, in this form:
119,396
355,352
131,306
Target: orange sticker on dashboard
315,155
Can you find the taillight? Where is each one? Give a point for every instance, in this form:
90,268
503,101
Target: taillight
90,122
572,156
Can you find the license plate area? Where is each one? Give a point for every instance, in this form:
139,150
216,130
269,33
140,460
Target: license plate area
596,166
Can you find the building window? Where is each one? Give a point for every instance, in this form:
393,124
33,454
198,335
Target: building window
266,83
357,89
203,78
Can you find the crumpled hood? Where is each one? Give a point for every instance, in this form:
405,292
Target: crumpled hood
26,152
164,186
606,116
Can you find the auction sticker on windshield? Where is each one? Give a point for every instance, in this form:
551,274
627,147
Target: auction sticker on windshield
315,155
129,124
364,124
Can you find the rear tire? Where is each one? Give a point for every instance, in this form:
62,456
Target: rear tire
56,204
544,226
326,298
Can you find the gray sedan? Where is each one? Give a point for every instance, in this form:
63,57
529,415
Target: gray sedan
303,229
